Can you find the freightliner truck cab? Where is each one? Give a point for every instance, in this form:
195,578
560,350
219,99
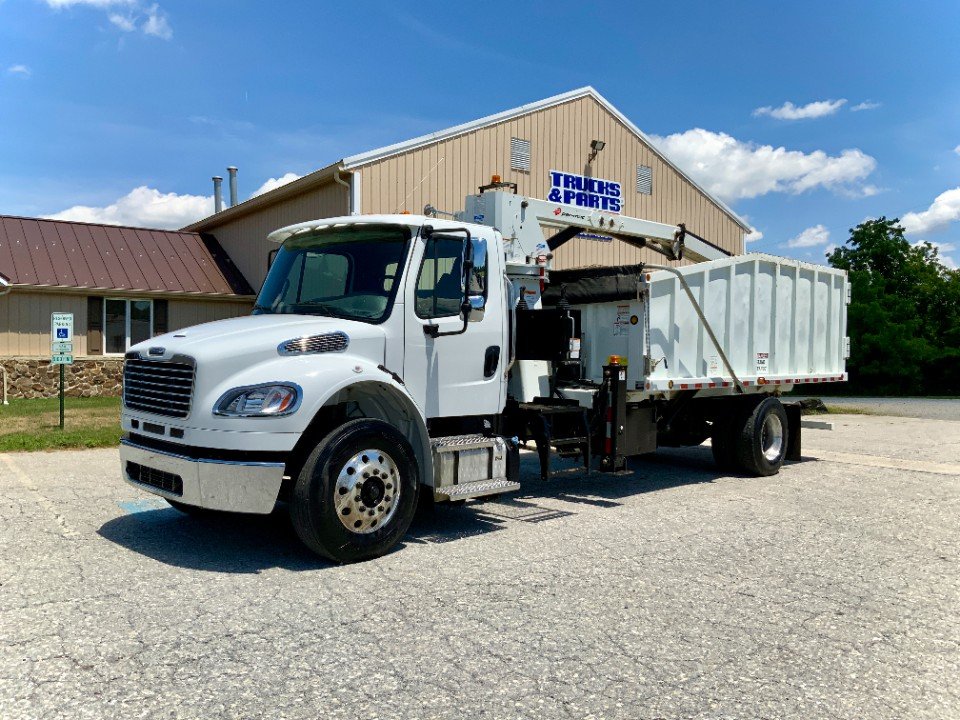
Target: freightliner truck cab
369,336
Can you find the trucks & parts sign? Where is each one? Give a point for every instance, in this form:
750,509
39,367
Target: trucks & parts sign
583,191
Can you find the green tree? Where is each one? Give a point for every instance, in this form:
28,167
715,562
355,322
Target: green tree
904,317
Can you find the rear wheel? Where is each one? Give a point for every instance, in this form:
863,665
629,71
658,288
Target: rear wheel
357,493
761,444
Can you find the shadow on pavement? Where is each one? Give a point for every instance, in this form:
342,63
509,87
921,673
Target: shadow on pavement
231,543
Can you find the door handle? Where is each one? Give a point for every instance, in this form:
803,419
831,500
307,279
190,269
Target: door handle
490,361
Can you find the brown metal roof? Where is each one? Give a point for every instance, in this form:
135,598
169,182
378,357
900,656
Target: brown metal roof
57,253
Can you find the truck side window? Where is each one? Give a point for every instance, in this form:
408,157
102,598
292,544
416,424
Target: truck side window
440,285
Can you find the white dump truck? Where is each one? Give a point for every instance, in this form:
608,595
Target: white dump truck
396,359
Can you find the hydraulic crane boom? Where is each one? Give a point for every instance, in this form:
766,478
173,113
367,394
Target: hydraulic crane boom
521,221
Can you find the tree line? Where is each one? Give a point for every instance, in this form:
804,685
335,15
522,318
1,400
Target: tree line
904,316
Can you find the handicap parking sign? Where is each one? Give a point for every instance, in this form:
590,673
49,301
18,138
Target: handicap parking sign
62,333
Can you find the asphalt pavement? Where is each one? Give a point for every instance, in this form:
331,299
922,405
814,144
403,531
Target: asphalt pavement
829,591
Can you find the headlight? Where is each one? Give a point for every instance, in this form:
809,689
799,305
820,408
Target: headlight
268,400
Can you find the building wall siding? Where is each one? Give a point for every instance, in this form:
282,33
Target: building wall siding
25,322
245,238
443,173
25,319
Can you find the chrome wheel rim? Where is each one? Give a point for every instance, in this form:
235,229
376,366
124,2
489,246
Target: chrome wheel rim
771,439
367,491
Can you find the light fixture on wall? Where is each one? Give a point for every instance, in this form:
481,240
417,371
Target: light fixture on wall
595,147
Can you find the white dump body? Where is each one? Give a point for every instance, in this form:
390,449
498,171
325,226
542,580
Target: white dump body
779,322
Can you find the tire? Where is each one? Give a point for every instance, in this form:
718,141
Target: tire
761,444
357,492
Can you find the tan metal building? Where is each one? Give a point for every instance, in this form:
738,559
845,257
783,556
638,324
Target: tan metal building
522,145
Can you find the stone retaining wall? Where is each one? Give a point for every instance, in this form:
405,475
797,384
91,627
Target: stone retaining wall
87,377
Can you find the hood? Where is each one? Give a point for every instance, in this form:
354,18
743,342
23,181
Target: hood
253,339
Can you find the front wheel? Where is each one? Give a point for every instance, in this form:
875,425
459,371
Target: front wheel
357,493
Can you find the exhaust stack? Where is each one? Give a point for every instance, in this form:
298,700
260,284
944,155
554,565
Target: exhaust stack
233,185
217,193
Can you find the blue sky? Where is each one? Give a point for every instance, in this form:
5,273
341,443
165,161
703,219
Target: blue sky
807,118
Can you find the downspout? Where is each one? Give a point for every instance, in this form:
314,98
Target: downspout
353,190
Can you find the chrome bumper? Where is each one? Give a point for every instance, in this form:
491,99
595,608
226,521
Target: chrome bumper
215,484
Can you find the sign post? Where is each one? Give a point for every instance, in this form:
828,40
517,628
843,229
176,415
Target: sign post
61,347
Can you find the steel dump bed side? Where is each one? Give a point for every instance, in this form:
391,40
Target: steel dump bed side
777,321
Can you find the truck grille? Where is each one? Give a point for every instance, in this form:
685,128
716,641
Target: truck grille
161,388
160,479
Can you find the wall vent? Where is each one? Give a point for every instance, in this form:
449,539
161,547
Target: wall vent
519,154
644,180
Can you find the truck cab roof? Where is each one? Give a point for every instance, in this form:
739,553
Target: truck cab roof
413,221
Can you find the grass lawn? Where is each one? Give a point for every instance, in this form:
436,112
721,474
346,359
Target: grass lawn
35,424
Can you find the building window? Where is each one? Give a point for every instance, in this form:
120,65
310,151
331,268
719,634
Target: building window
126,323
519,154
644,180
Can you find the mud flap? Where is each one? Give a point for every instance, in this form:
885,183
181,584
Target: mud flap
793,431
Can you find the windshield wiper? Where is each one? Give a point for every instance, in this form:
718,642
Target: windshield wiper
326,308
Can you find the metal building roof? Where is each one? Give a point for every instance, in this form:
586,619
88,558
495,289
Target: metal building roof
56,253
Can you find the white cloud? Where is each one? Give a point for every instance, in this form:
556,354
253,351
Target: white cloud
753,236
21,70
733,169
146,207
151,20
789,111
59,4
274,183
811,237
957,149
124,22
944,210
828,250
866,105
157,24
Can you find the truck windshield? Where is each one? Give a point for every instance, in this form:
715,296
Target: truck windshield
348,271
